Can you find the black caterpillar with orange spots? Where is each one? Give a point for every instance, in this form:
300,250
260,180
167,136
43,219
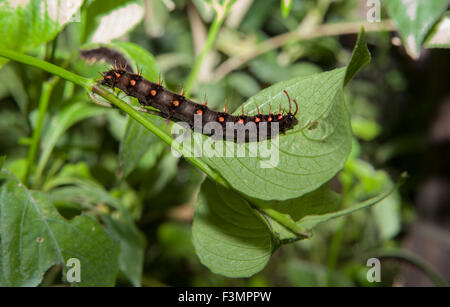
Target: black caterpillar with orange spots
179,108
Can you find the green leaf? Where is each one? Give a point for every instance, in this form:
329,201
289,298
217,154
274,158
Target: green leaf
439,36
310,154
111,19
60,123
132,242
360,57
414,19
35,237
229,238
35,22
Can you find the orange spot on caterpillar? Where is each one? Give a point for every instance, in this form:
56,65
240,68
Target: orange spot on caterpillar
153,92
221,119
108,77
176,103
240,121
199,112
257,120
280,117
132,82
117,74
269,119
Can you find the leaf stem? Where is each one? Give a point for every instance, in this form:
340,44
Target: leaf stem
221,13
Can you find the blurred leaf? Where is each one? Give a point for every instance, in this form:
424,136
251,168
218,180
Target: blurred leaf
17,167
268,70
12,84
286,7
157,14
205,9
30,226
228,237
439,36
62,121
112,19
35,22
122,227
414,19
244,84
311,221
175,239
365,129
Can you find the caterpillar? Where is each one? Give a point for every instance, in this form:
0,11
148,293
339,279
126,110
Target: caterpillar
177,107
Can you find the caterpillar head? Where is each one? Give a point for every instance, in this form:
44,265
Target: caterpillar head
112,77
290,120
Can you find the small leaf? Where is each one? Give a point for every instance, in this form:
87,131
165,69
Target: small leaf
228,237
414,19
360,57
35,237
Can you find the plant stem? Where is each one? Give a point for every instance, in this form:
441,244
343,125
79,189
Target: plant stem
89,85
221,13
161,134
47,88
51,68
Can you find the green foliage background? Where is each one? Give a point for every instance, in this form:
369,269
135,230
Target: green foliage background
78,180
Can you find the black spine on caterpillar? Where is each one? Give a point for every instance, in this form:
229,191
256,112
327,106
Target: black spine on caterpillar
179,108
